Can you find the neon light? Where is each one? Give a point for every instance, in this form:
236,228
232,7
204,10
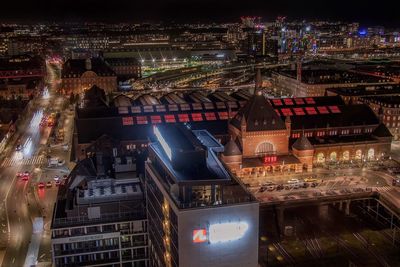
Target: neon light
163,143
199,236
225,232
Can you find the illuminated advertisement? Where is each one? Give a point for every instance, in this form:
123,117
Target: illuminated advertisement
199,236
221,232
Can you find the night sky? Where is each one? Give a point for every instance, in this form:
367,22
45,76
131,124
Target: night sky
382,12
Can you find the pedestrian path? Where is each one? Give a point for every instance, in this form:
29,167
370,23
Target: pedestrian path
10,162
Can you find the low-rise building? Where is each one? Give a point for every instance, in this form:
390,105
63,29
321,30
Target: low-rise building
79,75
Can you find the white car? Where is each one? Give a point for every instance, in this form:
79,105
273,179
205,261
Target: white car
293,181
56,178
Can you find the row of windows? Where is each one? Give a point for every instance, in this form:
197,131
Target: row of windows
172,118
332,132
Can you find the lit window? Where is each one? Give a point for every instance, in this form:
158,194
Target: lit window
277,102
197,106
127,121
183,117
208,105
334,109
223,115
141,120
170,118
288,101
299,101
323,110
221,105
298,111
310,101
155,119
185,107
311,110
232,104
173,107
286,112
197,117
161,108
123,110
210,116
148,109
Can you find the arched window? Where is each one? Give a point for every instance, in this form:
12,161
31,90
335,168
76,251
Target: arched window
265,148
321,158
346,155
371,154
358,155
333,156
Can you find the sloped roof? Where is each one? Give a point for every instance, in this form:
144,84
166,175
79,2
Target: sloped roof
302,143
382,131
258,115
232,149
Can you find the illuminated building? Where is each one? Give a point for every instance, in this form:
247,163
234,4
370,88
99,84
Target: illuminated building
196,209
79,75
99,220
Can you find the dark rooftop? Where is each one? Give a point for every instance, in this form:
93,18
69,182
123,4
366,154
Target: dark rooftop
76,67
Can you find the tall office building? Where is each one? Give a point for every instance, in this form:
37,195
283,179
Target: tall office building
198,214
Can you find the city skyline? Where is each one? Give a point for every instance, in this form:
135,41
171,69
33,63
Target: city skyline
197,11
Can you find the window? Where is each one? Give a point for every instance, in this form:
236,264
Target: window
286,112
197,117
320,133
308,134
148,109
299,101
295,135
185,107
197,106
123,110
161,108
155,119
141,120
310,101
299,111
334,109
277,102
311,111
345,131
221,105
232,104
357,131
323,110
288,101
210,116
127,121
173,107
333,132
208,105
223,115
183,117
270,159
169,118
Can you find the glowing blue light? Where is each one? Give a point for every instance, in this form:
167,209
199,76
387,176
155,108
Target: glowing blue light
163,143
362,32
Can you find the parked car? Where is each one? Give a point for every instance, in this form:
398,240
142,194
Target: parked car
49,184
41,185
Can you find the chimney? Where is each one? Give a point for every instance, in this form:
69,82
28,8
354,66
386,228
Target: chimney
88,64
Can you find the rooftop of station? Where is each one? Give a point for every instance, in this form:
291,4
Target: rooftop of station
388,89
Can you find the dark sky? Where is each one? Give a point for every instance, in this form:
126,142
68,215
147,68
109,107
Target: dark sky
367,11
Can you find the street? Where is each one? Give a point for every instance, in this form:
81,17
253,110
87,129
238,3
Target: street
23,201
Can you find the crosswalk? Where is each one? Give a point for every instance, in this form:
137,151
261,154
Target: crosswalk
36,160
382,189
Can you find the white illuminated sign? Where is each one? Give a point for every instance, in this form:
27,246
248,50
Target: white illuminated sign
225,232
164,144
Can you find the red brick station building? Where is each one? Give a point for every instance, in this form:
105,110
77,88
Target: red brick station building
261,135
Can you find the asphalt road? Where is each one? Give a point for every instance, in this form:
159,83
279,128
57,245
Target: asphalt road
22,200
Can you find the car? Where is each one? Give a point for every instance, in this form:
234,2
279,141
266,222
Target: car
280,187
41,185
296,186
65,177
270,188
262,189
305,185
18,147
314,184
293,181
57,183
19,174
268,183
49,184
56,178
310,180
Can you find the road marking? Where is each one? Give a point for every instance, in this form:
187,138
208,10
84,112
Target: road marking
36,160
